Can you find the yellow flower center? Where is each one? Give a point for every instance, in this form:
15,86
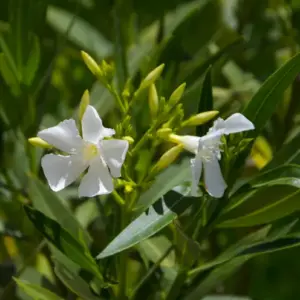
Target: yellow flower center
90,151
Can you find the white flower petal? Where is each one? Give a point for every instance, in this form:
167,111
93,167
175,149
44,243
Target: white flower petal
114,153
97,181
237,123
92,127
213,178
61,171
189,142
211,139
64,136
196,166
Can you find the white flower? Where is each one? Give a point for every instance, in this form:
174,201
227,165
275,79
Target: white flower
207,152
235,123
103,158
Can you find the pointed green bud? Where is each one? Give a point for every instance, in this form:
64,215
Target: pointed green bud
91,64
201,118
129,139
176,95
85,101
153,100
164,132
168,158
152,77
38,142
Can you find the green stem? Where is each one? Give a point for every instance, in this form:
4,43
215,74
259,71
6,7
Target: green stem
122,289
118,99
118,198
177,284
144,138
150,272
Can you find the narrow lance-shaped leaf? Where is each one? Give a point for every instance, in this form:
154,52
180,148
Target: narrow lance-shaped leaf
265,101
165,181
158,216
282,206
74,282
36,291
74,249
289,153
243,251
205,102
51,205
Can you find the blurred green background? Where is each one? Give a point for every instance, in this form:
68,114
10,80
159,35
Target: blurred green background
42,78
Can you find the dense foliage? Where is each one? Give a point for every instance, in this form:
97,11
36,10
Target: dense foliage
161,74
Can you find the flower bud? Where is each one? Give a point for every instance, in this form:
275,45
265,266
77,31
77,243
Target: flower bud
201,118
38,142
153,100
108,70
168,158
177,94
85,101
152,77
129,139
164,132
91,64
128,189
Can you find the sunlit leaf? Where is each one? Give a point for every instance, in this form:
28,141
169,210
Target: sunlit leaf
164,182
36,291
157,217
80,32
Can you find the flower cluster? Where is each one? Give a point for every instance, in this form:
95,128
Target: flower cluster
92,148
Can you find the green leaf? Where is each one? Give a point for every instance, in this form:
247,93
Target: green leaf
33,61
52,206
273,245
206,102
283,175
225,297
217,275
262,198
73,248
263,206
9,57
8,75
287,175
36,291
289,153
74,282
154,248
158,216
265,101
164,182
233,250
80,33
232,265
